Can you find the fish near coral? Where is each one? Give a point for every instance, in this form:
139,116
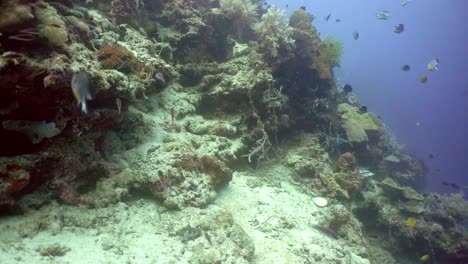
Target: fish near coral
118,102
81,88
411,222
160,76
425,258
326,231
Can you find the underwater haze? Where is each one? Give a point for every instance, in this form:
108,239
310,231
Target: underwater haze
429,118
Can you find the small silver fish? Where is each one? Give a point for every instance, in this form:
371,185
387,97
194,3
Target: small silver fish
160,76
383,15
433,65
365,172
81,88
118,102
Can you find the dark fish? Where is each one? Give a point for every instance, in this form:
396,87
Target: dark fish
326,230
287,6
337,20
363,109
303,8
327,17
455,186
406,67
355,35
445,183
431,156
348,88
423,78
399,28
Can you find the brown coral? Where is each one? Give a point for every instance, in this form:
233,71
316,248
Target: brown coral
13,13
350,181
117,57
308,45
346,162
219,173
126,8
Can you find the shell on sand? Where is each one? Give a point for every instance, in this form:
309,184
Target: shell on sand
320,201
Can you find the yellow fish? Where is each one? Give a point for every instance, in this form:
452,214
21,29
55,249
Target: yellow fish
411,222
425,258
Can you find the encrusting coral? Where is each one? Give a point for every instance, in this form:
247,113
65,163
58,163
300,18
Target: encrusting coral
14,13
51,25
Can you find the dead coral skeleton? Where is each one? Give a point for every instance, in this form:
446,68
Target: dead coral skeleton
126,8
262,145
272,94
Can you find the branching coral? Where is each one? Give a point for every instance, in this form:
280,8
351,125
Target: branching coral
333,50
274,33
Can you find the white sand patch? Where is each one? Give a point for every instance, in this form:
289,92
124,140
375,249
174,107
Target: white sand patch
260,210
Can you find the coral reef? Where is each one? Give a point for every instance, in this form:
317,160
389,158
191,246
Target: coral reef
184,95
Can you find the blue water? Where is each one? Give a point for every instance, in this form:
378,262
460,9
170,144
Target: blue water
430,118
